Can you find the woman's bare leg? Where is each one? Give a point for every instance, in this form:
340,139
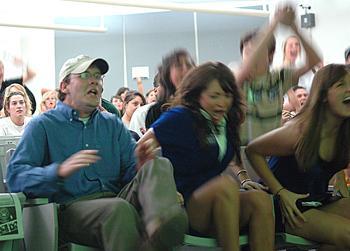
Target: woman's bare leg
329,225
216,203
256,212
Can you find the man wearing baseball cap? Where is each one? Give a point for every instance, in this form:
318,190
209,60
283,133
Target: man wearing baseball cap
84,160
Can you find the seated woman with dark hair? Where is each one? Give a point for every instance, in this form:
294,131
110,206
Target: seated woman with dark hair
199,135
132,101
17,111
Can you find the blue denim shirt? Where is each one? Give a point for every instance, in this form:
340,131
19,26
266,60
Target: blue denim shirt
51,138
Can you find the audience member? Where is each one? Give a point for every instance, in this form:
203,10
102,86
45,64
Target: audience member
16,108
292,59
28,75
107,106
199,134
151,96
137,122
122,91
48,101
118,103
306,152
174,67
132,101
296,98
84,160
264,89
291,51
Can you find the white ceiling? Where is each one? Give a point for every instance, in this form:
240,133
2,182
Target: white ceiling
84,13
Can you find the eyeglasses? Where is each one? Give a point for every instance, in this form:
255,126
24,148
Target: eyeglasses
87,75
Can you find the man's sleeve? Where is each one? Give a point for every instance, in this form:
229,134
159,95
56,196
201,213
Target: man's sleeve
28,169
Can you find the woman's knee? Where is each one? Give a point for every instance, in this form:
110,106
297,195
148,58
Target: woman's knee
257,200
226,189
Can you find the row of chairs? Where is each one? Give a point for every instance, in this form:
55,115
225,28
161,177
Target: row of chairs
283,241
37,224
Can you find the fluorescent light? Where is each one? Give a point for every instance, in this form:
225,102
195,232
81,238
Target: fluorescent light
178,7
55,27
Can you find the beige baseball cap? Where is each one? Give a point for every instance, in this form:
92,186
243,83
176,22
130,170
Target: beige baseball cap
80,64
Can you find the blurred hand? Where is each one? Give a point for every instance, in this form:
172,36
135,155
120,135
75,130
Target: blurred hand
285,15
145,150
251,185
77,161
17,61
290,211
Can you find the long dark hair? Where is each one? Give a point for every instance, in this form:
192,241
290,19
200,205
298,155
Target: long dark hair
312,115
167,86
197,81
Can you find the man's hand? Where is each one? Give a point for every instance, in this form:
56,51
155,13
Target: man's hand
77,161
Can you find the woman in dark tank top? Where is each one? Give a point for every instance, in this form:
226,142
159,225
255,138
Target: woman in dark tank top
307,151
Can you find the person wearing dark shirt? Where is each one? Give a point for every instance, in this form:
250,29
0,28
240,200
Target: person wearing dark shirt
199,135
305,153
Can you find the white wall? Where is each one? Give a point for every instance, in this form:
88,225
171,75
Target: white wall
331,34
38,49
35,48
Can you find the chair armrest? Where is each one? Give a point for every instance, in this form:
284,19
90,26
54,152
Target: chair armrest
31,202
36,202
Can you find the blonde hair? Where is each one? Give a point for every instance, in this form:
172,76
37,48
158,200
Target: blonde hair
15,89
46,96
284,45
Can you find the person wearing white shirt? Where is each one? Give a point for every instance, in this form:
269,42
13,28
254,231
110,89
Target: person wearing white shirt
16,109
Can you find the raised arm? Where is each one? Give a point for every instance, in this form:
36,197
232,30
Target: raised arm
139,85
257,63
28,74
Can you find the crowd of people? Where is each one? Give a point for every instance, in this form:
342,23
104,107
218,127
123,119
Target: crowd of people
139,172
